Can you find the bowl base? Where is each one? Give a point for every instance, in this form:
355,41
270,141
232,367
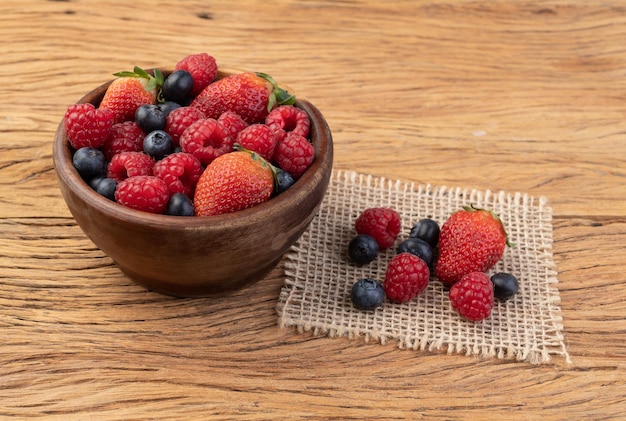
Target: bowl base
176,289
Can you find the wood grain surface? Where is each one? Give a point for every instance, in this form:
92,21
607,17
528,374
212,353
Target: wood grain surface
511,95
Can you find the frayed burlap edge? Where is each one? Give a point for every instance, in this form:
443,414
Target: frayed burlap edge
316,293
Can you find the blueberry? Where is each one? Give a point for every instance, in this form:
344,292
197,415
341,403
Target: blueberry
158,144
168,106
177,87
418,247
106,187
284,180
505,285
427,230
94,181
180,205
89,162
150,118
367,294
363,249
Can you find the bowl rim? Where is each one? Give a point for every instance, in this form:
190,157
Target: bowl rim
322,142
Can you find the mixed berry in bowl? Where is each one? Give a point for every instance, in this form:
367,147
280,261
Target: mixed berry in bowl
154,135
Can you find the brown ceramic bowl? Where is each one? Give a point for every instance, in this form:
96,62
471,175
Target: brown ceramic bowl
197,256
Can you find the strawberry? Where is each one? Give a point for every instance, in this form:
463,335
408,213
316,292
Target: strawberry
471,240
131,90
233,181
251,95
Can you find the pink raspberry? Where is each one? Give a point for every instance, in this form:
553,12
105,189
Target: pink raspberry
232,122
123,137
86,125
294,154
179,119
180,171
130,164
286,119
206,139
407,275
472,296
143,192
383,224
203,70
258,138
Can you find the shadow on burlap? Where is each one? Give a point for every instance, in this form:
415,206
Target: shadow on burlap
319,275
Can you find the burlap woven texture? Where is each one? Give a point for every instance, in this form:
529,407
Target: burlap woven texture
319,275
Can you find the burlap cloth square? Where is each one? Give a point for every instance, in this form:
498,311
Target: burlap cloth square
316,292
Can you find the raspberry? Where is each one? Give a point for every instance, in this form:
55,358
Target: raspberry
258,138
407,275
130,164
206,139
472,296
288,118
180,171
179,119
294,154
87,126
381,223
143,192
202,68
123,137
232,122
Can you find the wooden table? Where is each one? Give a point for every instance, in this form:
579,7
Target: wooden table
522,96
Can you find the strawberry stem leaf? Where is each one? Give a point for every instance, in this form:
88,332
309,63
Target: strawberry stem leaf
264,162
154,82
142,73
125,73
278,96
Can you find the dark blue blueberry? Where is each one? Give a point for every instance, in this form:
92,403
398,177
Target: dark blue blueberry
158,144
89,162
150,117
177,87
427,230
505,285
418,247
180,205
168,106
94,181
367,294
106,187
363,249
284,181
